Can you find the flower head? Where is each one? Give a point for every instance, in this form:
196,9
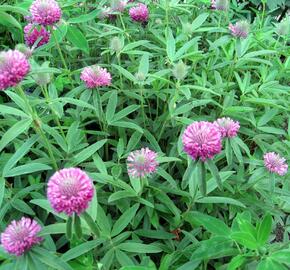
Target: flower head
240,29
180,70
24,49
45,12
14,66
141,163
70,191
118,5
20,236
139,13
220,4
105,12
202,140
283,28
32,33
227,126
95,76
275,163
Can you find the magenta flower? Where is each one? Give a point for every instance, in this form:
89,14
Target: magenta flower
33,32
202,140
14,66
96,76
20,236
220,4
139,13
240,29
228,127
45,12
275,163
141,163
119,5
70,191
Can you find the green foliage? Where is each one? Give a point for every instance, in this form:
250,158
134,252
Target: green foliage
226,213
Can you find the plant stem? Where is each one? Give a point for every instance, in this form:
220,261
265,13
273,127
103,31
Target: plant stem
46,95
37,126
59,50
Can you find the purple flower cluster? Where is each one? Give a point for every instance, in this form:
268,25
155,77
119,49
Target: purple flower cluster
14,66
20,236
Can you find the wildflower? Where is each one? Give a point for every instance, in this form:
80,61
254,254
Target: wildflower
202,140
70,191
220,4
228,127
275,163
116,44
139,13
45,12
20,236
283,28
33,33
14,66
118,5
96,76
141,163
240,29
180,70
24,49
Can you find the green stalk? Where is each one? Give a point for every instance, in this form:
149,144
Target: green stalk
69,228
59,50
202,178
46,95
78,227
37,127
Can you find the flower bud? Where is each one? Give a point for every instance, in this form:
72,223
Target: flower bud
180,70
116,44
187,28
24,49
140,76
42,79
282,29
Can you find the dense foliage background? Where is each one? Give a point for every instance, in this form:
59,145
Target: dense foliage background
170,225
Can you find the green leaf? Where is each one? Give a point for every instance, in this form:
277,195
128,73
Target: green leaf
139,248
124,220
58,228
126,73
126,111
121,195
215,173
81,249
126,124
170,45
50,259
212,224
21,151
85,17
144,64
264,230
87,152
8,20
22,206
236,262
14,132
111,107
245,239
27,169
282,256
225,200
199,21
77,38
13,111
